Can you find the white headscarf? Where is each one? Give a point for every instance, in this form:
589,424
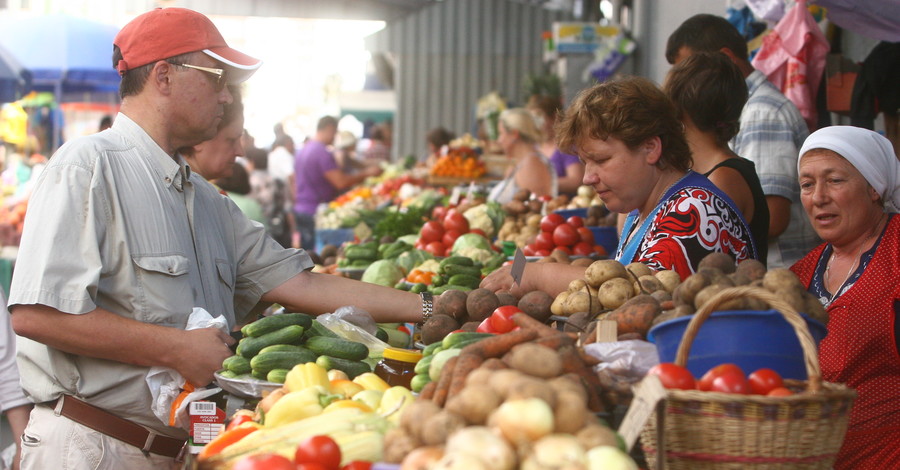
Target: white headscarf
871,154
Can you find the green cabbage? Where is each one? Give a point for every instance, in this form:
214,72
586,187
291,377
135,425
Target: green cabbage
408,260
383,272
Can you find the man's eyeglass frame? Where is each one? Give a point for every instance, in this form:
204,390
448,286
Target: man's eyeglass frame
219,73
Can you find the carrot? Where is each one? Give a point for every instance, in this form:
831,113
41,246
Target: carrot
499,345
465,364
572,363
427,393
529,323
555,341
443,383
227,438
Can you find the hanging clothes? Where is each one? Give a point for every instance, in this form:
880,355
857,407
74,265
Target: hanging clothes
793,58
876,19
877,87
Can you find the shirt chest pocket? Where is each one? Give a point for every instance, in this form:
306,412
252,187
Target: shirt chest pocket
164,292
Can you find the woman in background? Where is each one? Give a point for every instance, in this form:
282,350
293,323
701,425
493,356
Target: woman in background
214,158
569,169
518,137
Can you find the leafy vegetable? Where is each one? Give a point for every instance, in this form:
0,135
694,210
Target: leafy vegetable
383,272
395,223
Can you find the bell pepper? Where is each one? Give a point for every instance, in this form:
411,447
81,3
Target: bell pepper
394,400
370,397
337,374
225,439
342,404
307,375
370,381
345,387
295,406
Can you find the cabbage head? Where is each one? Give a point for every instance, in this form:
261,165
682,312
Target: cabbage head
383,272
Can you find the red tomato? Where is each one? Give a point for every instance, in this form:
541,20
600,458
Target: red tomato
420,244
439,212
731,382
542,252
544,241
264,462
673,376
448,251
550,221
763,381
706,381
780,392
600,251
545,198
501,318
432,231
528,250
456,221
564,249
485,326
478,231
320,450
583,249
586,235
313,466
565,235
575,221
436,248
357,465
449,237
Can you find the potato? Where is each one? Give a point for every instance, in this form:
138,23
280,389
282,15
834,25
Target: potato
781,279
638,269
739,278
398,444
436,430
686,291
582,262
753,269
661,296
719,260
530,387
474,403
419,411
603,270
451,303
522,195
533,220
514,207
479,376
710,291
558,305
437,327
792,296
570,413
535,360
537,305
679,311
576,285
480,303
669,279
581,302
615,292
502,380
595,435
569,383
506,298
636,315
470,326
647,284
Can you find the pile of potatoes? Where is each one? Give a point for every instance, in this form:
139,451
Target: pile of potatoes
523,398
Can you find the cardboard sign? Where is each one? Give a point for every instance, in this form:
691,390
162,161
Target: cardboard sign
518,266
647,395
607,331
455,195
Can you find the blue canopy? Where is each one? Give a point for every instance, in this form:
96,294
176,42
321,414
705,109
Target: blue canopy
15,81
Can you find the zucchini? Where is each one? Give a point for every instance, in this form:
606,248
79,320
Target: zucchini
282,347
277,375
337,347
250,346
455,340
351,368
236,364
276,322
280,360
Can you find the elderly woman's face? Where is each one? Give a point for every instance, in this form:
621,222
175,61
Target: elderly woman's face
838,200
617,173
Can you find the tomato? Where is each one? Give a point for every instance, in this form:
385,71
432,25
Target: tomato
545,198
501,318
673,376
763,381
448,252
586,235
357,465
564,249
264,462
600,251
439,212
432,231
706,381
320,450
528,250
575,221
449,237
780,392
550,221
544,241
436,248
542,252
312,466
732,381
565,235
485,326
583,249
456,221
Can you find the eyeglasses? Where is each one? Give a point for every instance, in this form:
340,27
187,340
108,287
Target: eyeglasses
219,73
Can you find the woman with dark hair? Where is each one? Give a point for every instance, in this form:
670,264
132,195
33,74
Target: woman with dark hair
709,93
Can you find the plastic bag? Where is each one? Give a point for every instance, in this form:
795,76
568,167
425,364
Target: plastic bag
171,395
358,317
338,323
634,357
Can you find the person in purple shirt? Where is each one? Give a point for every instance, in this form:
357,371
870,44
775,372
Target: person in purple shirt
319,179
569,169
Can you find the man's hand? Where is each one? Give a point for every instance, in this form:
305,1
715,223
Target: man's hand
203,351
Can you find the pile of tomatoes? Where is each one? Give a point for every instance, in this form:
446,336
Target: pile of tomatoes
569,235
314,453
724,378
500,321
437,235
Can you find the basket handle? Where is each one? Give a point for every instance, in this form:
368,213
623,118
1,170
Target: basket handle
810,353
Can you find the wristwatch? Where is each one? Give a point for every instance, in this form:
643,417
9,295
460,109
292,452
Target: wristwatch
427,306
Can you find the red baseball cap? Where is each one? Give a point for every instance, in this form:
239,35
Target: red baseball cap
167,32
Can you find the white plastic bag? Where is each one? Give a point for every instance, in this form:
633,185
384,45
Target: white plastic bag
632,357
351,331
167,384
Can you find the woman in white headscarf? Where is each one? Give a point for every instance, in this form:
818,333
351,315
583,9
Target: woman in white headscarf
850,189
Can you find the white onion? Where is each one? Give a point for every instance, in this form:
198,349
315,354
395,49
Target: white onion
523,420
609,458
482,443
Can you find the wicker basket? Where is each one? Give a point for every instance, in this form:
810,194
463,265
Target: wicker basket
711,430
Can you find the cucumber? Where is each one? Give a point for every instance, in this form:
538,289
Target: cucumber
259,375
397,338
337,347
250,346
229,374
319,330
419,382
430,349
381,334
455,340
282,347
276,322
437,364
424,363
418,287
440,290
277,375
237,365
464,280
280,360
454,269
455,260
351,368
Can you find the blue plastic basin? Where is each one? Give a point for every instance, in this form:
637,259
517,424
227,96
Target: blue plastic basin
750,339
607,237
566,213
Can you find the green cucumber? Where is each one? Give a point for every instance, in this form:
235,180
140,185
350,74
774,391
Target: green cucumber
456,340
424,363
337,347
418,382
281,360
381,334
454,269
229,374
236,364
258,374
277,375
464,280
250,346
440,290
351,368
397,338
455,260
282,347
276,322
437,364
321,330
430,349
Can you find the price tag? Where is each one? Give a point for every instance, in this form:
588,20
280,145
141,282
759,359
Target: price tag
647,395
455,195
607,331
362,231
518,266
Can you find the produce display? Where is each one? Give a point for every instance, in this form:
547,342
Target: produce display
461,161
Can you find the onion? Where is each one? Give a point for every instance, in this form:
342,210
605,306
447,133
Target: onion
460,462
482,443
523,420
556,451
609,458
422,458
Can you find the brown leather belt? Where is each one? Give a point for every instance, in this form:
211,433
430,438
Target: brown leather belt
118,428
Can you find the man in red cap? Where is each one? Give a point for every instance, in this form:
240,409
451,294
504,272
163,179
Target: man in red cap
122,242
